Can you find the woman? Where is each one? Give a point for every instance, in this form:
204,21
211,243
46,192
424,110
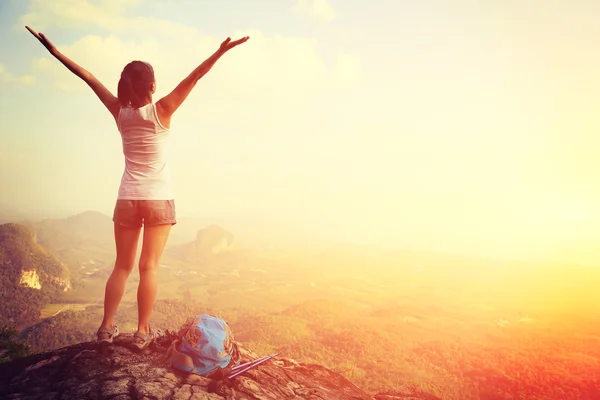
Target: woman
145,196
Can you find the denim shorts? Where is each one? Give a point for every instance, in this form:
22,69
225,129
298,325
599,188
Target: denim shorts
135,213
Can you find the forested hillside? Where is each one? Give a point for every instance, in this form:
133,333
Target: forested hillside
29,276
438,353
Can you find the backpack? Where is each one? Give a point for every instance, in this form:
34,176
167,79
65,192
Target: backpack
204,345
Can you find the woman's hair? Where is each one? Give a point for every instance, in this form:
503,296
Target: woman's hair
136,84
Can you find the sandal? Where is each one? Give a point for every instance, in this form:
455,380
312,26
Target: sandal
141,341
106,335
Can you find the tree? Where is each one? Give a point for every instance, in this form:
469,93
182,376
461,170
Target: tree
10,347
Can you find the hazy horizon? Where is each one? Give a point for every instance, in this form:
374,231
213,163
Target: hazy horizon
460,128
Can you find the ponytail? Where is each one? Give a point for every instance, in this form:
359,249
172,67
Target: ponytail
125,93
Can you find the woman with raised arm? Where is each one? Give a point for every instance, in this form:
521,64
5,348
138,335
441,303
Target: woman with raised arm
145,195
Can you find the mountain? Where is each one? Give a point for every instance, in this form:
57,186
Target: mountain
29,276
89,228
213,240
16,214
84,371
78,239
211,243
252,231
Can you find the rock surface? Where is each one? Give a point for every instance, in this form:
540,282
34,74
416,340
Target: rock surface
86,371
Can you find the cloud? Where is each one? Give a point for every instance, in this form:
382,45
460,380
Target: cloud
263,71
320,10
107,14
6,76
102,56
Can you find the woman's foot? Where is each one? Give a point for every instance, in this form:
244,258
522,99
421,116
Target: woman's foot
106,335
141,340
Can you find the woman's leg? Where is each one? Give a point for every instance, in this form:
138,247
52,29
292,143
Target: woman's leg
126,240
155,238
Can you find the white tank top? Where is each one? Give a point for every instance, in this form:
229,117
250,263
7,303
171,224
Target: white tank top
146,147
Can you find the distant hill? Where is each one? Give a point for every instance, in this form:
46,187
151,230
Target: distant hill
14,214
258,231
30,276
89,228
211,243
213,240
77,239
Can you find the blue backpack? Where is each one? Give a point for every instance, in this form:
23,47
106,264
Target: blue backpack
204,346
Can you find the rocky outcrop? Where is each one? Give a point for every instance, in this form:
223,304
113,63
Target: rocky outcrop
213,240
30,279
211,243
86,371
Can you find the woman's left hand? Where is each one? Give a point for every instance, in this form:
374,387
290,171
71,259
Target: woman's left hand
43,40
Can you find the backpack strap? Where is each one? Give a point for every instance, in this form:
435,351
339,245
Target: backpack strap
222,374
178,359
236,356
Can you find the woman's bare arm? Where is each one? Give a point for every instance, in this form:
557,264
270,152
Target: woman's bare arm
106,97
171,102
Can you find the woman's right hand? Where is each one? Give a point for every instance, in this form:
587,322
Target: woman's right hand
228,44
43,40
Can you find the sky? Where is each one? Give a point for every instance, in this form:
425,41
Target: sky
459,126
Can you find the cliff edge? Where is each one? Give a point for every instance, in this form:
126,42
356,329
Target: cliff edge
86,371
